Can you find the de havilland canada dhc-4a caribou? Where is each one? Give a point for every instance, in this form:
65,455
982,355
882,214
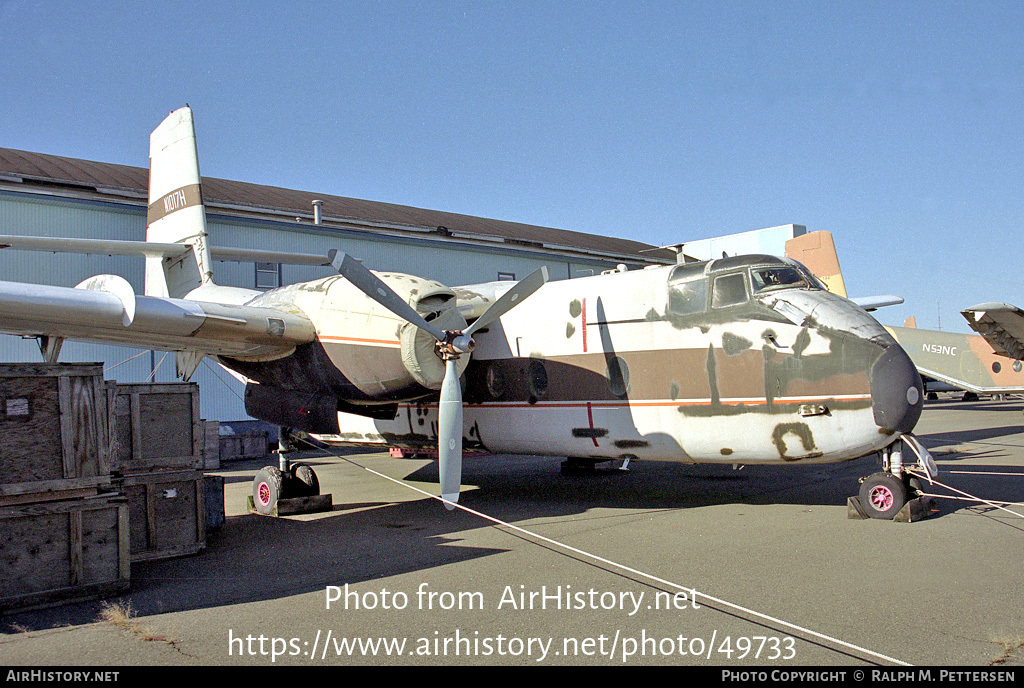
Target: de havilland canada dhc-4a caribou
740,360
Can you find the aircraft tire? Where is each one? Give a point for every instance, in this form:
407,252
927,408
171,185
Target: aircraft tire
882,495
305,480
267,487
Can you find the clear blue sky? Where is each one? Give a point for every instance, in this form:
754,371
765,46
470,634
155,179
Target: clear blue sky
898,126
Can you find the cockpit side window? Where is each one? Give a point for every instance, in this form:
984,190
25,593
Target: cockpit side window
690,296
688,289
729,290
765,279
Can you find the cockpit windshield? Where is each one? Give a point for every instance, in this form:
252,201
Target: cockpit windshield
696,287
782,277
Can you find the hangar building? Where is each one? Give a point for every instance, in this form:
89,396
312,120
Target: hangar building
48,195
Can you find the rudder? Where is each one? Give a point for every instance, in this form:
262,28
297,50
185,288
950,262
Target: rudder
817,251
176,213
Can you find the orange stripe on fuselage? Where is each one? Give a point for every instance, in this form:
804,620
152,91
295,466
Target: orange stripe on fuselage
667,403
359,340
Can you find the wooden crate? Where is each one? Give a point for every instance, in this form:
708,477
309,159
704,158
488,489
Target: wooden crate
166,513
253,444
62,551
211,449
158,427
214,486
55,421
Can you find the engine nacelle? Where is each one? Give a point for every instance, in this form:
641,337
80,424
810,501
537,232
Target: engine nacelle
314,412
364,356
383,356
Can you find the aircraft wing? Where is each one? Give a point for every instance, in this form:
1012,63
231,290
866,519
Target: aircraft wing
1002,326
105,309
968,385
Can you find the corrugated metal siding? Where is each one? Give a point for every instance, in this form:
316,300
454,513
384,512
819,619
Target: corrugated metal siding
221,394
52,169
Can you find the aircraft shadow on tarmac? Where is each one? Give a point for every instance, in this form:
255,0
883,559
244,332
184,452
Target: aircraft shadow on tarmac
965,436
253,558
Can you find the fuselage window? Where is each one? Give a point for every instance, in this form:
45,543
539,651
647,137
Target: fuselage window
688,297
729,291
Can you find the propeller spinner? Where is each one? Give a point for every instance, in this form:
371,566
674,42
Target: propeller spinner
451,345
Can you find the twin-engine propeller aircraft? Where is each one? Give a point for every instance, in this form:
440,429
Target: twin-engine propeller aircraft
740,360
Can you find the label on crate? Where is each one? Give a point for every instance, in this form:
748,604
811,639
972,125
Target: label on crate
17,407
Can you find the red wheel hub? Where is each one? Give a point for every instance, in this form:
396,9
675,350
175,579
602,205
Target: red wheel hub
882,498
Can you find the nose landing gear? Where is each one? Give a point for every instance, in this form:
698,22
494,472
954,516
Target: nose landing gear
894,493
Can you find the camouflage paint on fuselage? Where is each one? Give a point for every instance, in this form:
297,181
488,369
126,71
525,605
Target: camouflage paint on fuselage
623,364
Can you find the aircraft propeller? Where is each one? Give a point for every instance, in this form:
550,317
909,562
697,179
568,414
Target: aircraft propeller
451,345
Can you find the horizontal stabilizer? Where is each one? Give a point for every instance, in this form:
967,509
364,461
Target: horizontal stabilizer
817,252
870,303
1002,326
99,247
117,247
253,255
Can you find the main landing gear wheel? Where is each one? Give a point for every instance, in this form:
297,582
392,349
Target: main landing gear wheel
304,481
267,487
882,495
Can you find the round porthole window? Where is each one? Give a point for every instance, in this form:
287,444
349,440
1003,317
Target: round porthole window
996,367
495,382
618,376
538,379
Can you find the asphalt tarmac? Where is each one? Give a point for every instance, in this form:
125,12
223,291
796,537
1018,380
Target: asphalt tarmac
669,564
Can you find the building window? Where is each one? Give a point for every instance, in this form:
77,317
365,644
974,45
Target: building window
268,275
506,276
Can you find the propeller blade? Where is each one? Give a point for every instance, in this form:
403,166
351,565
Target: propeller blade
371,285
513,297
449,434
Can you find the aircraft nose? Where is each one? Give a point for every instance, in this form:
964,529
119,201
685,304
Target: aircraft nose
897,396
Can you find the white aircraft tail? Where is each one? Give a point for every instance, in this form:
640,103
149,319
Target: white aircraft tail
176,212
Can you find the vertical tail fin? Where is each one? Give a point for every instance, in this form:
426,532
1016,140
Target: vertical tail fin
817,251
176,213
